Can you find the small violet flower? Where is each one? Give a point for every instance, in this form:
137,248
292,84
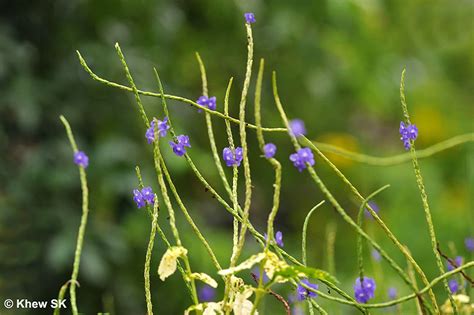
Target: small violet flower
148,195
179,147
458,261
453,286
232,158
301,157
407,133
376,255
81,159
297,128
469,242
143,197
138,198
278,238
269,149
206,293
374,207
207,102
256,273
304,293
392,293
250,18
364,290
163,128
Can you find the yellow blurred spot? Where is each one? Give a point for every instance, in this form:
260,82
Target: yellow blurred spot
342,140
430,124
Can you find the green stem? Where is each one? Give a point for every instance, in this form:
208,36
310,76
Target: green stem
360,215
146,272
424,196
82,227
304,233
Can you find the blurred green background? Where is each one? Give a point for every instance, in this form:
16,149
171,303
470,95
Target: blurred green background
339,64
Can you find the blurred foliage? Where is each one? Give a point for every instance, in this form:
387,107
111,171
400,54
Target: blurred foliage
339,64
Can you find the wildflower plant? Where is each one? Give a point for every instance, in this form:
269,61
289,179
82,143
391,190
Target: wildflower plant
271,260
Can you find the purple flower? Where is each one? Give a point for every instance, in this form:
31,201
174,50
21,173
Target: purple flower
392,293
179,147
364,290
374,207
148,195
303,293
297,128
163,128
458,261
207,102
256,273
269,149
376,255
206,293
81,159
469,242
407,133
250,18
143,197
453,286
232,158
138,198
301,157
279,238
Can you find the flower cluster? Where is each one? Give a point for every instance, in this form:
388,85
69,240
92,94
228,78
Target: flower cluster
179,147
453,286
143,197
297,128
209,102
376,255
304,293
408,132
232,157
278,238
301,157
458,261
206,293
81,159
163,128
364,290
469,242
250,18
392,293
269,150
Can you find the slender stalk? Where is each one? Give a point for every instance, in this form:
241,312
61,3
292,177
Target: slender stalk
243,142
360,215
304,233
146,272
162,234
424,196
61,294
277,184
82,227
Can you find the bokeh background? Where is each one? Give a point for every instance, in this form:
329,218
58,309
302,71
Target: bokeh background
339,64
